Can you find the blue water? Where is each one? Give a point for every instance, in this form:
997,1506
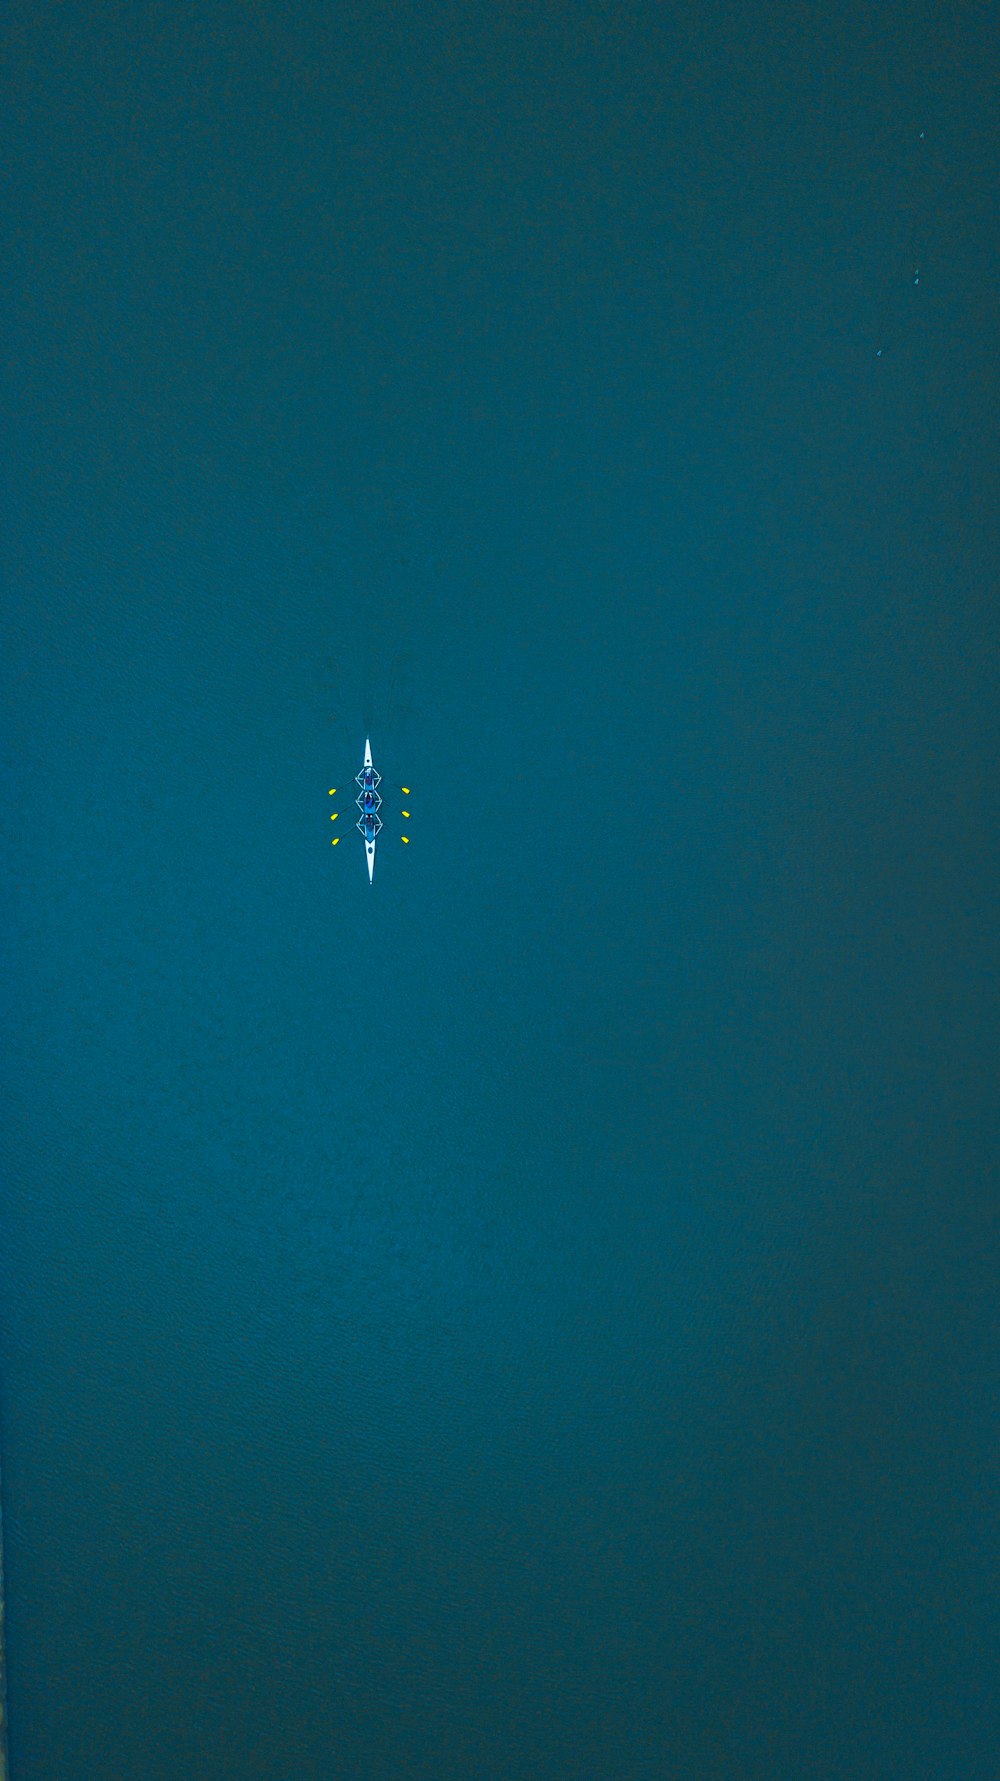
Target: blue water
531,1316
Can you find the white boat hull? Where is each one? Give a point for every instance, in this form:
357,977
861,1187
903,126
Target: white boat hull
368,803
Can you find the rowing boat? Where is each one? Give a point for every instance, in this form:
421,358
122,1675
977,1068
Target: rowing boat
368,801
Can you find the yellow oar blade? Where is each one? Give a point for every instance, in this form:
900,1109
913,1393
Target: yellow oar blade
405,790
336,838
332,790
334,817
405,838
406,813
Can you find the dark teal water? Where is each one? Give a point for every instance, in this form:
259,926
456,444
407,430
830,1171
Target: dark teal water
534,1316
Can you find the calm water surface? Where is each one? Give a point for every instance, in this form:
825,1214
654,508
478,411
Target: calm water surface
530,1317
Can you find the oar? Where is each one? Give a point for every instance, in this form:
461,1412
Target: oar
406,792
